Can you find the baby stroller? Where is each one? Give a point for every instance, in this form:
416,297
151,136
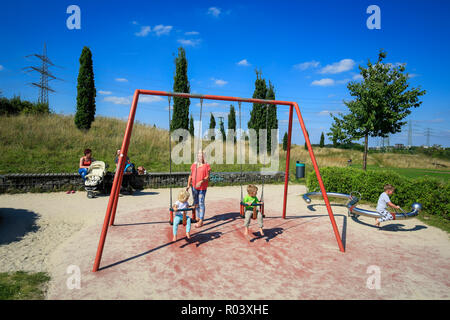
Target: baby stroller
95,179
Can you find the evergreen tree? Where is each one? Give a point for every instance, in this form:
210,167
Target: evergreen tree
86,92
191,126
180,117
306,146
212,127
322,140
285,141
257,115
232,121
222,128
272,121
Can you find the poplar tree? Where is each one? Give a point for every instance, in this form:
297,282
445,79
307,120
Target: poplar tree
285,141
257,115
212,127
322,140
272,121
86,92
191,126
232,122
180,117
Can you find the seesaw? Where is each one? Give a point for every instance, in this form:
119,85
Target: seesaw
353,200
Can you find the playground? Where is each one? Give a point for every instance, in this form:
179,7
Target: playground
298,257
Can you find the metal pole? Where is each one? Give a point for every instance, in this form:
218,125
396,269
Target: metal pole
288,157
117,181
319,178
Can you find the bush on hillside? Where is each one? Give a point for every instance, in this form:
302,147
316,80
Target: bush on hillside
433,194
15,106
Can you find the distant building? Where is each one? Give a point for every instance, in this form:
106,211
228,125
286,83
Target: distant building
399,146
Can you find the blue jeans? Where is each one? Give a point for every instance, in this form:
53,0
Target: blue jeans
199,199
179,219
83,172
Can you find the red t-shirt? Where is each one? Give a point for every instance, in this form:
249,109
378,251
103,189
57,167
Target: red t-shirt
202,172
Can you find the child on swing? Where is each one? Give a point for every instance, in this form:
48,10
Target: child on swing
250,200
182,203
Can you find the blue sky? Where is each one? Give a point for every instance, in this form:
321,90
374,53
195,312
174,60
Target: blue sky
308,49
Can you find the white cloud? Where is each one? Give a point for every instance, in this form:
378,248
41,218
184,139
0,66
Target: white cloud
329,112
338,67
127,100
121,80
145,30
343,81
104,92
411,75
307,65
134,22
214,11
357,77
192,33
188,42
160,29
243,62
219,82
150,99
118,100
323,82
1,67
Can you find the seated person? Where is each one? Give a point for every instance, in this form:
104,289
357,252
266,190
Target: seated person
85,162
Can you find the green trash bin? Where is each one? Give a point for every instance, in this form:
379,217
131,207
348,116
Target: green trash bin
299,170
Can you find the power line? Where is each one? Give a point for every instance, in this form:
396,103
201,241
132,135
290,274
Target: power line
45,75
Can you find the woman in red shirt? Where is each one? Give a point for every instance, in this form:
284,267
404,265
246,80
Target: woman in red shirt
85,162
199,179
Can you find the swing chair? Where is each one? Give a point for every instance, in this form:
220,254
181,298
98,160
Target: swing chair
171,209
243,206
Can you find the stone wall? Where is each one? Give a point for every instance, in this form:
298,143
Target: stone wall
46,182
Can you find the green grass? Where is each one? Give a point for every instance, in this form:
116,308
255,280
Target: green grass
435,221
443,175
22,285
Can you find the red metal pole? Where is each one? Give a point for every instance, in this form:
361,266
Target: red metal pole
117,181
319,178
288,159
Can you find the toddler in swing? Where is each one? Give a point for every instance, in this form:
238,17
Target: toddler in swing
181,203
250,200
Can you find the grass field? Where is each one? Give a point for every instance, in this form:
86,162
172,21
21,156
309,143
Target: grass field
443,175
41,144
22,285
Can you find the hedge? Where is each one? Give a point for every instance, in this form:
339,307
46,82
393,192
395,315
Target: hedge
433,194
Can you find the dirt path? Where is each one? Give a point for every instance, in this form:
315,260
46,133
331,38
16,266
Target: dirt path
297,259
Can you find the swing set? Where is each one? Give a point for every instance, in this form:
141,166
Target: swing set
114,196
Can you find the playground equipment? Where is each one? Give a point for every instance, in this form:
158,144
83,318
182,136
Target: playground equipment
114,196
353,200
171,210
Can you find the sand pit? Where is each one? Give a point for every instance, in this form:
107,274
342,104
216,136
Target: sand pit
297,259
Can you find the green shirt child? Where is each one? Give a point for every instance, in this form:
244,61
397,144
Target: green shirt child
250,199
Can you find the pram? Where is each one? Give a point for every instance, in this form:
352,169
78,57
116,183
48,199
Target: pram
95,179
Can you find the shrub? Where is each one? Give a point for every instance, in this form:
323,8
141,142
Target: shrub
433,194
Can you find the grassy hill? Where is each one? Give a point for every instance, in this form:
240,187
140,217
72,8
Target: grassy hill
52,143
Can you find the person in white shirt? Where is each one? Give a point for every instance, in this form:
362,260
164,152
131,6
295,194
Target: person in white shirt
182,203
383,202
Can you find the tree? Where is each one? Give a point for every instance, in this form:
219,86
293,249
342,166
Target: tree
306,146
191,126
382,100
232,122
257,115
322,140
272,121
212,127
285,141
86,92
222,128
180,117
337,134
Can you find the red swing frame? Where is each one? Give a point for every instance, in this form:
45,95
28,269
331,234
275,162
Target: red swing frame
114,196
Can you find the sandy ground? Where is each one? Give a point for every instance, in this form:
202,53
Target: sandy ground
297,259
